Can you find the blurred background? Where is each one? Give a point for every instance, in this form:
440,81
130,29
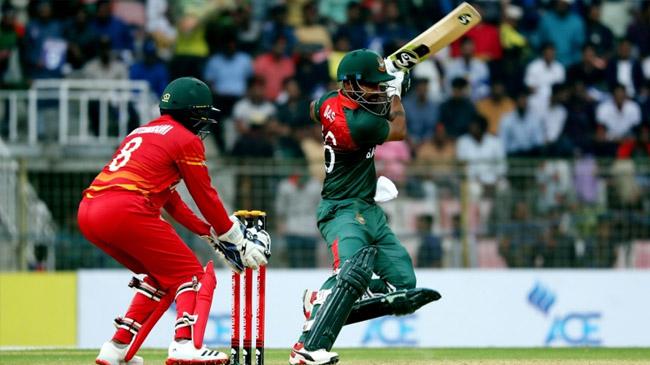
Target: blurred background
528,139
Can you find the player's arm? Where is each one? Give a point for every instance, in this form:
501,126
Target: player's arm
191,164
177,208
240,247
397,118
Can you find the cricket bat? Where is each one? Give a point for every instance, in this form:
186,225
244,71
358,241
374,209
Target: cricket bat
438,36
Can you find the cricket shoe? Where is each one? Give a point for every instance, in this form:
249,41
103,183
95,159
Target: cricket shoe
300,356
111,354
184,353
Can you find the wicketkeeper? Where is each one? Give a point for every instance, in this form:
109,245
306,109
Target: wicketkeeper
121,214
367,111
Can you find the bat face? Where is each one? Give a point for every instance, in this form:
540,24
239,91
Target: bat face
438,36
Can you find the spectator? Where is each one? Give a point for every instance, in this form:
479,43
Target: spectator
274,67
254,142
354,28
252,109
519,239
495,106
150,68
559,249
601,252
422,113
554,185
311,32
275,28
637,145
293,111
511,38
457,111
430,248
438,153
541,74
337,11
11,34
521,130
483,154
618,115
515,48
295,204
639,31
341,47
191,48
590,70
565,30
598,34
580,126
472,69
117,31
431,70
486,39
624,69
554,121
105,66
312,148
392,159
312,71
394,30
45,55
247,29
585,171
227,73
82,39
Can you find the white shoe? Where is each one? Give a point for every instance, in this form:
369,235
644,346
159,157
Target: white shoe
184,353
110,354
300,356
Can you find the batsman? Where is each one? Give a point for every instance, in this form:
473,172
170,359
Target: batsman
365,112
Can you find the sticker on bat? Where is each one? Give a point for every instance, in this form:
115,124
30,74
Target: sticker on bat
406,59
465,18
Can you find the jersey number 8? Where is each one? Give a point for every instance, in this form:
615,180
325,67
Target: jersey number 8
125,154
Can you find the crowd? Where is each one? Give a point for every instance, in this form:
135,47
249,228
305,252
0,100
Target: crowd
537,78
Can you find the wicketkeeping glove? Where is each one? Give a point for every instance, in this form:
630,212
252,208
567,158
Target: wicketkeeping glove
242,247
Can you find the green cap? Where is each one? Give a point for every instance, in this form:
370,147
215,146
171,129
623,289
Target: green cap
364,65
186,93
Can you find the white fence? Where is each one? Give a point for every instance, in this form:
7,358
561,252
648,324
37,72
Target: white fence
62,110
479,308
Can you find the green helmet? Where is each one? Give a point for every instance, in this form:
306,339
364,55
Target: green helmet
189,101
186,93
363,65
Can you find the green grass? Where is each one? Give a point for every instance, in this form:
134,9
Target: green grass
490,356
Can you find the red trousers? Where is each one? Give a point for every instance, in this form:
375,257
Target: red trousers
124,226
129,229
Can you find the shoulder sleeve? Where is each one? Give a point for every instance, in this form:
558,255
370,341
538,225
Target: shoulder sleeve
368,129
319,102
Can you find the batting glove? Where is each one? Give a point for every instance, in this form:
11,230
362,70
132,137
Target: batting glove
395,86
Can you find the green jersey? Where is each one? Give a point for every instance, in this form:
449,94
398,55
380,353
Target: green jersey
350,135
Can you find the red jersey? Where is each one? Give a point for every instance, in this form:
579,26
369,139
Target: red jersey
152,160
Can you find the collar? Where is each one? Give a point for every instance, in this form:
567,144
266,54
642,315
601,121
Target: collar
347,102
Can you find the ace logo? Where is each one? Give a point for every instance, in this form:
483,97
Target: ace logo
391,331
574,328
